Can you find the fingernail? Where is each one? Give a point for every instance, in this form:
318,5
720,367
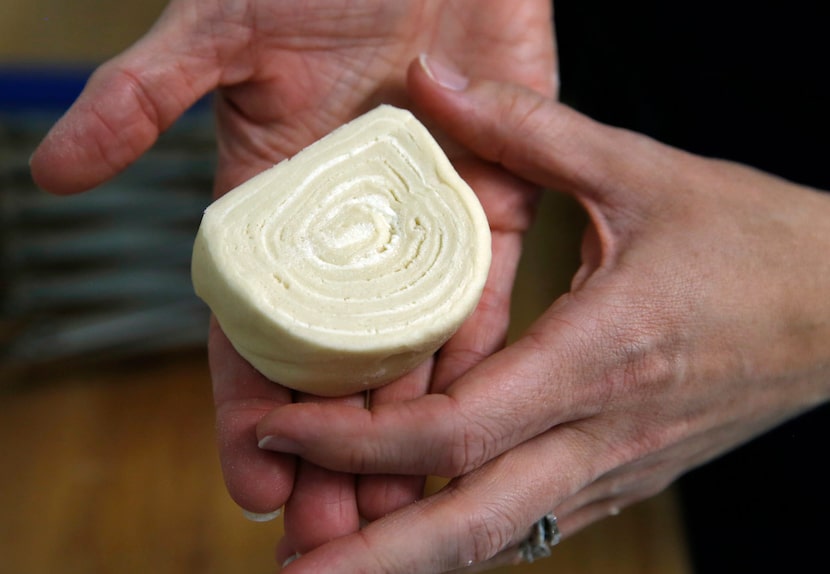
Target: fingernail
279,444
442,74
261,517
290,559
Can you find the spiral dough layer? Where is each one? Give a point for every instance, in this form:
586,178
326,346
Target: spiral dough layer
344,267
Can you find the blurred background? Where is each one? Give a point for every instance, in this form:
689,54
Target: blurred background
106,421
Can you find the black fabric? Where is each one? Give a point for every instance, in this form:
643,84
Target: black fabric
750,82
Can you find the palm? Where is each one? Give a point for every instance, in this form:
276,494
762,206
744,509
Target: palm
295,73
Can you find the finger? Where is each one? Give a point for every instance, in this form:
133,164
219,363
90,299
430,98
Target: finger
642,474
259,481
476,419
125,105
284,551
471,519
536,137
323,503
381,494
322,507
485,332
510,204
584,516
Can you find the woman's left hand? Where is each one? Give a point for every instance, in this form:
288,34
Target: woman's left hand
285,74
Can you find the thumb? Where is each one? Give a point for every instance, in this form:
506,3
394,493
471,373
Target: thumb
125,105
535,137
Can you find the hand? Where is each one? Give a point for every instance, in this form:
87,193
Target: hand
287,73
698,320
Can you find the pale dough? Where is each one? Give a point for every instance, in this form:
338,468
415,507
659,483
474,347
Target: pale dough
346,266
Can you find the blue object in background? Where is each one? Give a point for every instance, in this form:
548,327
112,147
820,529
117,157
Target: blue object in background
105,274
48,89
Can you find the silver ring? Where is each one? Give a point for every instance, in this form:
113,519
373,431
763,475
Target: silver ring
543,536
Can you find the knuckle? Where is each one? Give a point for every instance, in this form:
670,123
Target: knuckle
357,459
645,361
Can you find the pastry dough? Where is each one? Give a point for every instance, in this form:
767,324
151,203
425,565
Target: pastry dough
346,266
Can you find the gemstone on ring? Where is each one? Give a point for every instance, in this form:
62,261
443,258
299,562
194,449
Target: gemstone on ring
543,536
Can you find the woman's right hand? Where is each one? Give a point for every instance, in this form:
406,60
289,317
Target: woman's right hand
699,319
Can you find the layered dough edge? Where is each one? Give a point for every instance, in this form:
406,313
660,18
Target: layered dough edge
347,265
